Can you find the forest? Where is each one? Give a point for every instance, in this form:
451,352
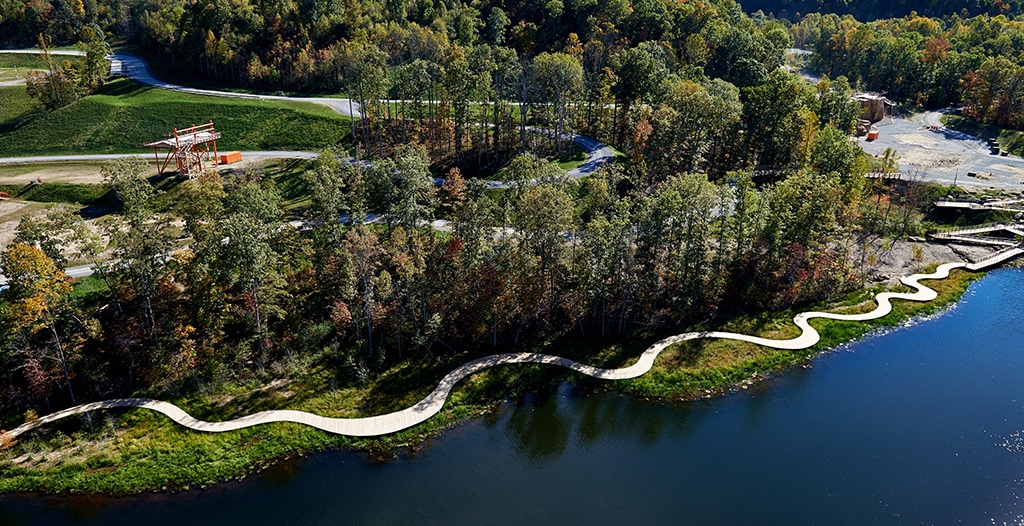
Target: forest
739,191
619,52
977,63
873,10
249,295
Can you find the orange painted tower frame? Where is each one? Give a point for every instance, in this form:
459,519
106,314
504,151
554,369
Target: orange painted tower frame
190,149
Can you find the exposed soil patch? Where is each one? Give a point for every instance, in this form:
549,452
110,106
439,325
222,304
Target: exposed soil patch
889,262
10,214
1015,171
929,159
923,141
51,173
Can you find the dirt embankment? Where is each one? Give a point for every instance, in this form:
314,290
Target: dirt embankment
890,260
10,215
75,173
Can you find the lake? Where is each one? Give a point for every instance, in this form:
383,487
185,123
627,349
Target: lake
924,424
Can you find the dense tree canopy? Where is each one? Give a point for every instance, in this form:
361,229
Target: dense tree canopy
926,61
739,190
875,9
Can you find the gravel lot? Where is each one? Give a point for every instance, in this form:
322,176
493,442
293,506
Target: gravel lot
944,155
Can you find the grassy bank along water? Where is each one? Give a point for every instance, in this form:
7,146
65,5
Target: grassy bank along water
125,452
699,368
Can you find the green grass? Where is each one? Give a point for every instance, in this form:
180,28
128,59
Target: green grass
124,452
124,115
573,158
8,171
1010,140
15,106
31,60
287,177
83,194
620,157
17,65
9,74
89,289
700,368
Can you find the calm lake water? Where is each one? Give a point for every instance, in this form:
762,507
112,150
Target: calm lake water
922,425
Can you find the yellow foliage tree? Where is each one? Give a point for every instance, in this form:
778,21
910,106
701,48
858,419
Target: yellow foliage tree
36,286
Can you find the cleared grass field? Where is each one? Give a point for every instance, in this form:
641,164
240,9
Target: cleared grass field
125,114
15,106
31,61
17,65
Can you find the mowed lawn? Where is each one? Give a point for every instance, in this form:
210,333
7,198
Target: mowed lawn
15,105
17,65
124,115
29,61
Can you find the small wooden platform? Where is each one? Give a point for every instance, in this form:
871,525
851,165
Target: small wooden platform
190,149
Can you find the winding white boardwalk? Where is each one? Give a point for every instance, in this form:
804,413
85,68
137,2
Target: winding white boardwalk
432,404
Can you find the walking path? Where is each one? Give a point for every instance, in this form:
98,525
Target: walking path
1010,205
432,404
597,154
1010,247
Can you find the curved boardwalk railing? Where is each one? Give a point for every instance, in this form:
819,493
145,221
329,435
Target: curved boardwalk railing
432,404
997,257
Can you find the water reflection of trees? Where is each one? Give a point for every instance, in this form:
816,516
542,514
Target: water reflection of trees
542,425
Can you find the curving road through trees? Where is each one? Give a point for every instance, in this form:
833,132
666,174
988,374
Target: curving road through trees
135,68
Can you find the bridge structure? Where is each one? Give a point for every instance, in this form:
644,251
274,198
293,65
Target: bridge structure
1002,205
1006,238
189,148
885,174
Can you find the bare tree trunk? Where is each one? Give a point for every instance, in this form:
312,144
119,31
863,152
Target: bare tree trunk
369,315
522,128
352,121
61,355
259,321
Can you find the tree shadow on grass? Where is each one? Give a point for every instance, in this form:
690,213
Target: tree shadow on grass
274,396
123,88
404,386
107,204
10,125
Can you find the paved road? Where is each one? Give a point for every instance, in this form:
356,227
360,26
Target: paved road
138,70
20,82
270,154
434,402
944,155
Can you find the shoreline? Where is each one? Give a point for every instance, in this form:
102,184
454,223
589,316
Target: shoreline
255,449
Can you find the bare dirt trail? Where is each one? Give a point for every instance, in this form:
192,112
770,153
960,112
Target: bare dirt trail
69,172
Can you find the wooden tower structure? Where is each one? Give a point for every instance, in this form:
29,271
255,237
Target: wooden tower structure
190,149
